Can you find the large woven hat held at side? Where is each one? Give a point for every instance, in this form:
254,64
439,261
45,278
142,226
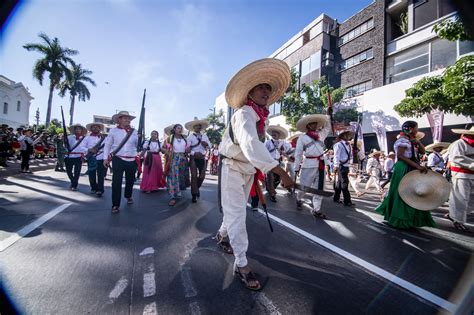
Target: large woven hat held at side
424,191
282,132
304,121
190,124
273,72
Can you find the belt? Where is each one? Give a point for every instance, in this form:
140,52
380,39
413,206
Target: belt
461,170
125,156
313,157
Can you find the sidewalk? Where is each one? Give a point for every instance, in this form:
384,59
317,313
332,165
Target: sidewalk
35,165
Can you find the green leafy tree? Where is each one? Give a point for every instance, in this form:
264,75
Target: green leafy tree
54,61
75,83
216,129
347,115
310,99
452,30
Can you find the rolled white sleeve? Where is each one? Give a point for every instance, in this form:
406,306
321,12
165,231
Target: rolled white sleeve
299,152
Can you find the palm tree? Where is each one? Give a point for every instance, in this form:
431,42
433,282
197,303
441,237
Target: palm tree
74,82
54,61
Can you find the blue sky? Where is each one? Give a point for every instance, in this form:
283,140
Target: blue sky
182,52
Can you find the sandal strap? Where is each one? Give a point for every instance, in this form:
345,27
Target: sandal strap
247,277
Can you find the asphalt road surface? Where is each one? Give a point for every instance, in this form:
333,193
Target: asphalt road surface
63,252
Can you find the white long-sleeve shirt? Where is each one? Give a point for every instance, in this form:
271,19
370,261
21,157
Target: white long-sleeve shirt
129,150
273,146
373,167
388,165
435,161
193,140
461,155
342,157
249,152
90,141
79,150
152,146
309,148
23,139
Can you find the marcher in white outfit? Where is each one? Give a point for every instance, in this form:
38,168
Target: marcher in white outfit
435,160
374,169
311,146
461,157
275,147
250,91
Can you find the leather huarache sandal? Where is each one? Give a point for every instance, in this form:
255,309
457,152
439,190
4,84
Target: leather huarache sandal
461,227
172,202
319,214
247,279
115,209
224,243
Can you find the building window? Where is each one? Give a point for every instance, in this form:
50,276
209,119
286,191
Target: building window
443,54
359,30
18,106
357,89
305,66
355,60
465,47
5,108
296,68
427,11
311,63
407,64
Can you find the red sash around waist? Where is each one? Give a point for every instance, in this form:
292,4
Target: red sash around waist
461,170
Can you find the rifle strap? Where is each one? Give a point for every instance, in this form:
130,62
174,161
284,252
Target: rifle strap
121,144
76,145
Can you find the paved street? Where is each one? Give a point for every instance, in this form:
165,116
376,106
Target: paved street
62,252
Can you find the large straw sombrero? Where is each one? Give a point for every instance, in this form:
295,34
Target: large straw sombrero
434,145
121,114
419,135
168,129
294,136
304,121
464,131
375,152
89,126
273,72
282,132
190,124
72,127
424,191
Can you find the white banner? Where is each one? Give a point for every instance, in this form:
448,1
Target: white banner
381,133
436,118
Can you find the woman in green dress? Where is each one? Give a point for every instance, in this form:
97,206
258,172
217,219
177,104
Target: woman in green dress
395,211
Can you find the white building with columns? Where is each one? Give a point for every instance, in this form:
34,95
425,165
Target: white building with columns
15,103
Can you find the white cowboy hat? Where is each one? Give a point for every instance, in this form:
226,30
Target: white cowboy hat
343,131
304,121
190,124
434,145
464,131
273,72
121,114
391,153
375,152
282,132
72,127
293,136
89,126
424,191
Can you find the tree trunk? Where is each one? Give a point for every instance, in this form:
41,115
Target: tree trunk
71,110
50,105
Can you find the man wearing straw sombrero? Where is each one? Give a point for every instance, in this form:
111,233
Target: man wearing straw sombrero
249,92
342,162
73,158
274,146
435,160
461,157
199,144
374,169
121,149
310,145
94,153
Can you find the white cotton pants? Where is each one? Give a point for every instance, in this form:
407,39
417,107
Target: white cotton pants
235,190
309,177
354,180
375,181
290,168
460,197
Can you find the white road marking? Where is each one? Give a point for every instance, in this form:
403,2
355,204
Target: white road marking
261,298
147,251
120,286
341,229
404,241
188,283
428,296
149,285
150,309
32,226
194,308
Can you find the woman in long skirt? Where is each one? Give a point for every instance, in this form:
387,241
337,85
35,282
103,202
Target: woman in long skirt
176,168
152,167
393,208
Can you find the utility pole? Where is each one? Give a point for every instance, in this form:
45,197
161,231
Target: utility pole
37,116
